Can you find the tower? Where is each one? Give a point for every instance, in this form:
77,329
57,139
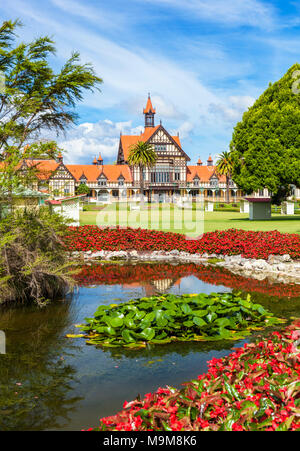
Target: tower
149,112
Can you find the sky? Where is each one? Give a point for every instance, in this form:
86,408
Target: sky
203,61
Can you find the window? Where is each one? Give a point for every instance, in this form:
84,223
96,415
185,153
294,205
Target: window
121,181
160,174
214,182
160,147
67,189
102,182
196,181
177,174
150,120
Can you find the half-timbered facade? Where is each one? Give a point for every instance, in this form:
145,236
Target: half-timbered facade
172,176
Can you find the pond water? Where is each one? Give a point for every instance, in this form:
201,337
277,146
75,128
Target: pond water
49,382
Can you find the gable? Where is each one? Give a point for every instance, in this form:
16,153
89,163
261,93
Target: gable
165,144
62,173
154,135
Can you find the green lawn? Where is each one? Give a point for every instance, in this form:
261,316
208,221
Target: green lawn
162,217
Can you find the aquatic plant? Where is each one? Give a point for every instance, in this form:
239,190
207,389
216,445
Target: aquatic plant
166,318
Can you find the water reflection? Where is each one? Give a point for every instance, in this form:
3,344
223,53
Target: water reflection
36,382
66,384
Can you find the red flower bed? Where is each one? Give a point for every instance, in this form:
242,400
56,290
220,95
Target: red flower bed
229,242
111,274
255,388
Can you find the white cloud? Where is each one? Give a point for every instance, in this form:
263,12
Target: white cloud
231,110
87,140
253,13
185,130
105,19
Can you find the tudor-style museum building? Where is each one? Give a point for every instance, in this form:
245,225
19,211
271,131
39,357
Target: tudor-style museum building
171,176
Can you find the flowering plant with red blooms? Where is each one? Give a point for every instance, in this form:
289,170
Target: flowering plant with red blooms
257,387
249,244
111,274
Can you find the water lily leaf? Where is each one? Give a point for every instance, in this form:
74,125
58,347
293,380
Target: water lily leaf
199,321
116,322
126,335
148,333
186,309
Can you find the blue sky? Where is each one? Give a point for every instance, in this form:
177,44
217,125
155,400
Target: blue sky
203,61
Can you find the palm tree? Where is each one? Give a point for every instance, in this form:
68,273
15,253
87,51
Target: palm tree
142,155
224,167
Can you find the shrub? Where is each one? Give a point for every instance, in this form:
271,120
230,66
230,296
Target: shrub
256,388
249,244
33,261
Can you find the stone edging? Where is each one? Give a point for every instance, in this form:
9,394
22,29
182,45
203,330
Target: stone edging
277,269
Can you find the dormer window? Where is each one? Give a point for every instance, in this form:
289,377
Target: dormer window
196,181
214,182
83,180
121,181
102,180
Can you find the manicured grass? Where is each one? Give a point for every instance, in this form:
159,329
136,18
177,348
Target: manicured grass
162,217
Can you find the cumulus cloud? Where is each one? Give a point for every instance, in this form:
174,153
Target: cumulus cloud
87,140
232,110
185,130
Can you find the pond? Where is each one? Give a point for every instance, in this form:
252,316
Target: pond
49,382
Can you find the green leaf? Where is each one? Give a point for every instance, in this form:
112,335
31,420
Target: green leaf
199,321
126,335
148,334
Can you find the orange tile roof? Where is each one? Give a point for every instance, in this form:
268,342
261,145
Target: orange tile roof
129,140
92,172
45,168
149,108
203,172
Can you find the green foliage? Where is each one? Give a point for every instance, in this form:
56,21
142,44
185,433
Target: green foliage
166,318
83,189
225,167
33,263
35,99
142,155
265,147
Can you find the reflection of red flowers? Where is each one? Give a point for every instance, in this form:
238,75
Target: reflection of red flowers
234,395
249,244
110,274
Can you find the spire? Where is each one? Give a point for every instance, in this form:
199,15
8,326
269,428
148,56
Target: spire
95,161
100,159
149,108
210,161
149,112
199,163
60,158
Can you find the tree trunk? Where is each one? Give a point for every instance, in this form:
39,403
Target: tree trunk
141,187
227,190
